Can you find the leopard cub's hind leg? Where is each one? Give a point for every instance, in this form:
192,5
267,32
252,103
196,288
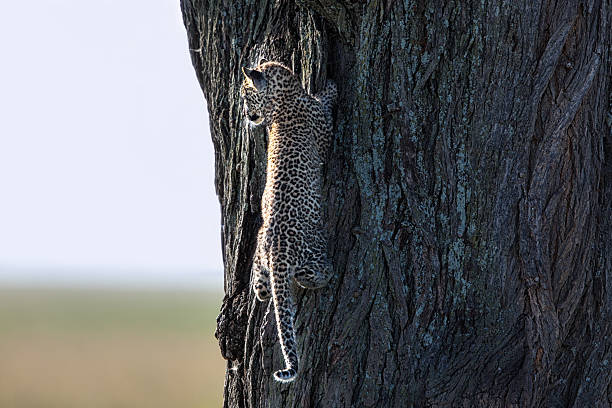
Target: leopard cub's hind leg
313,274
261,277
317,270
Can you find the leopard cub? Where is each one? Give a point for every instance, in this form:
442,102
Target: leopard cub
291,243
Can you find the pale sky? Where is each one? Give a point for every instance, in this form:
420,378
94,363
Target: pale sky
106,162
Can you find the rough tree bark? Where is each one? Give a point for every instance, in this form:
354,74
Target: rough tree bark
468,197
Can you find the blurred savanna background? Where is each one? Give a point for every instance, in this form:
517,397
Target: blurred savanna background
109,348
110,266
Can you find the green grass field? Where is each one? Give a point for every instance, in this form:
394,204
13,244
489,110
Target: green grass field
104,348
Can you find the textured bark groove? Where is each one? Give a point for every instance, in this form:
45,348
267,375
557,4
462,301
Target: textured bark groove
468,196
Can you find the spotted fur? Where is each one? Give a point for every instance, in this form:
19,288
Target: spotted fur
291,243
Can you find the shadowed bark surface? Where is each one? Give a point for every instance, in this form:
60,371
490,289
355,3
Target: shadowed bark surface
468,198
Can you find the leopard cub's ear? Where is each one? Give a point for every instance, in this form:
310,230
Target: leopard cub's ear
257,77
262,60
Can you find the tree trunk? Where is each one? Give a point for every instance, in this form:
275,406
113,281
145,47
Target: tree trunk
468,199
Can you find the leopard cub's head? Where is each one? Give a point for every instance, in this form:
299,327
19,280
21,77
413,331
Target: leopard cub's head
265,89
253,93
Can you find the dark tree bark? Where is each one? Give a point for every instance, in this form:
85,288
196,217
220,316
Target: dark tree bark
468,198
